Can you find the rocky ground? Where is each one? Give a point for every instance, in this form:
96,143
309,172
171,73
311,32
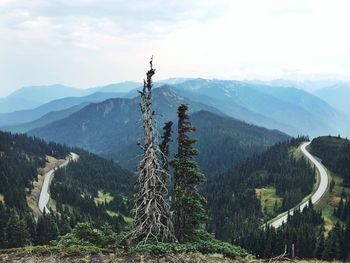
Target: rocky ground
64,258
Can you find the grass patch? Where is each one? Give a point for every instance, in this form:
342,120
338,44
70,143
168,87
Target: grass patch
127,219
112,213
270,201
103,198
296,152
52,205
331,200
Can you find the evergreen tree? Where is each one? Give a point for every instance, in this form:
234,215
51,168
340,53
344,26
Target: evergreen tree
189,212
3,222
47,229
347,237
31,226
16,231
320,244
164,145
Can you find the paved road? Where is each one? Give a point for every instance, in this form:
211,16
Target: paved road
44,194
321,190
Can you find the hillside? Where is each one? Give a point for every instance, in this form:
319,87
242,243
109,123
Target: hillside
266,184
52,116
91,189
224,141
28,116
335,155
107,128
276,170
111,129
288,109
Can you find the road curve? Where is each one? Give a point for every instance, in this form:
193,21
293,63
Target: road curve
321,190
44,194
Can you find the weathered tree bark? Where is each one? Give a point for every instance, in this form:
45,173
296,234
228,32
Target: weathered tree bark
152,220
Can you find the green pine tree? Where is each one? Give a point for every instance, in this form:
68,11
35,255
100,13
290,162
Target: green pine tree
47,229
3,221
320,244
189,213
16,231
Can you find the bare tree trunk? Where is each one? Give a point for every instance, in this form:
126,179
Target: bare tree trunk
152,220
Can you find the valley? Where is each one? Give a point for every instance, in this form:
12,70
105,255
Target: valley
174,131
92,144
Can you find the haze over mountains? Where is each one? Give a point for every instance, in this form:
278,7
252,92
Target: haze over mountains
244,134
337,95
107,121
111,129
34,96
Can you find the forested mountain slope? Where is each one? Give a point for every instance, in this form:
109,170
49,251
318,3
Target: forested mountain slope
52,116
20,157
238,205
335,154
237,214
91,189
24,117
112,128
107,128
224,141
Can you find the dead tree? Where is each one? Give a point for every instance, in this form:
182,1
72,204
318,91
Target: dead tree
283,257
152,221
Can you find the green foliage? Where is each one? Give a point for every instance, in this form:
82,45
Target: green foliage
224,141
79,185
335,154
188,202
204,243
237,206
73,189
16,231
20,156
302,230
84,234
47,229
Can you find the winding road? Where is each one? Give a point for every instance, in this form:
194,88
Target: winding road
317,195
44,194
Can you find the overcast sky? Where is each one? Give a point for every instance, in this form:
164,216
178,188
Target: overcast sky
86,43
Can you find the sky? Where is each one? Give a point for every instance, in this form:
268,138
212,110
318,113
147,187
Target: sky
87,43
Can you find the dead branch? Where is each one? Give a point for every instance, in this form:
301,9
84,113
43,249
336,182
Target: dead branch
151,212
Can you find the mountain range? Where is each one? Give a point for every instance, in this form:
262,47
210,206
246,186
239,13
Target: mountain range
111,129
24,116
290,110
34,96
233,112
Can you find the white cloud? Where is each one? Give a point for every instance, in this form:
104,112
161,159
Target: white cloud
92,42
